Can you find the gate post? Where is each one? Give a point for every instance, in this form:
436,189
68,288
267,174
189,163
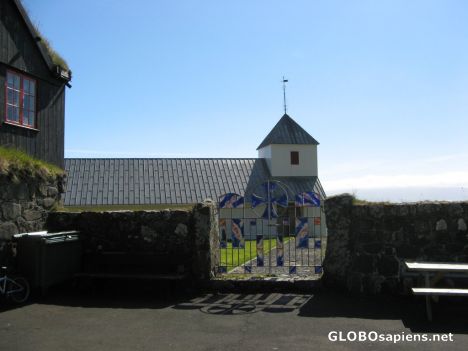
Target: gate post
337,256
205,255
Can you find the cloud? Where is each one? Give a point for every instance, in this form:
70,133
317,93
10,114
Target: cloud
445,179
408,194
385,165
434,171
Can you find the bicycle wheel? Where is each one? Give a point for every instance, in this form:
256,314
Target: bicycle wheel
18,289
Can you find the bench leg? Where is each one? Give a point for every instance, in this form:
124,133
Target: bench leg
428,308
428,300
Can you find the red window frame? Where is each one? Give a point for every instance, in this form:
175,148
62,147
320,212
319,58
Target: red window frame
21,119
294,157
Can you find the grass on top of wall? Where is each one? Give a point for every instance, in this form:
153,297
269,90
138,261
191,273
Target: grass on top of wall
357,201
16,164
366,202
101,208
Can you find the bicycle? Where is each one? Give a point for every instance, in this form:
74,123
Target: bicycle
15,288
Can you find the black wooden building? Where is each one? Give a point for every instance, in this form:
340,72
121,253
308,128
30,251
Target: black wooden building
32,96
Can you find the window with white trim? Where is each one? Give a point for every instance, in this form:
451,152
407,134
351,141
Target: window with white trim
20,102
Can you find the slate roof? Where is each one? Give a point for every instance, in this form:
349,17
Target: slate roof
168,180
287,131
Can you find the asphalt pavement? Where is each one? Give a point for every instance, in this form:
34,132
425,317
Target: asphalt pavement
154,319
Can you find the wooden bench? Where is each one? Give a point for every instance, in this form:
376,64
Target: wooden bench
133,265
437,271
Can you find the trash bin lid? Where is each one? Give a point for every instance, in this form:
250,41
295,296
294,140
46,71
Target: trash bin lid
16,236
50,237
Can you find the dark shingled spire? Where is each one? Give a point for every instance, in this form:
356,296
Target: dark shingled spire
287,131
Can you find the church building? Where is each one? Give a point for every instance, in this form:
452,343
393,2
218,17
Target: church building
288,155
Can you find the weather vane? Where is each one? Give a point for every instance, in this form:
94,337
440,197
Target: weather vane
284,93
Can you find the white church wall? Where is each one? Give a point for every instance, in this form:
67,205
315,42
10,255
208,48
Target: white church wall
281,160
265,153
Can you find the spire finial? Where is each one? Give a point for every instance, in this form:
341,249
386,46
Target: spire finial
284,94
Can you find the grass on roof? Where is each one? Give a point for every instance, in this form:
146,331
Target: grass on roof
16,163
54,55
57,59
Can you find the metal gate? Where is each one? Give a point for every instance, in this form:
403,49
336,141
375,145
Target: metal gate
271,231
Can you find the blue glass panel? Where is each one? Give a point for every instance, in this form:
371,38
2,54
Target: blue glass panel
231,200
256,200
282,201
318,244
302,233
307,199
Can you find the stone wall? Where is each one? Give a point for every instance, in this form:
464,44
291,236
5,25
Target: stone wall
186,235
25,202
368,243
205,255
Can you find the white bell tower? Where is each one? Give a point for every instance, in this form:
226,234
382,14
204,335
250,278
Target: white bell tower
289,150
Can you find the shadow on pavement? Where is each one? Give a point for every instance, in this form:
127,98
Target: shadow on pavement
6,305
235,304
116,294
449,315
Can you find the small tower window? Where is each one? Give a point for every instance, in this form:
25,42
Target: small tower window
294,157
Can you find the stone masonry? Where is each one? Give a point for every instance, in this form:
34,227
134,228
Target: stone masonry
368,243
188,236
25,202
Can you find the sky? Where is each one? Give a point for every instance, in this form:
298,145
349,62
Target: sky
382,85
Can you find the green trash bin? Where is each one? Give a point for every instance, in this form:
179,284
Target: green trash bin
48,259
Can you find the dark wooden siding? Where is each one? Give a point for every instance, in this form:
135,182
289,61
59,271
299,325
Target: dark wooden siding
18,51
